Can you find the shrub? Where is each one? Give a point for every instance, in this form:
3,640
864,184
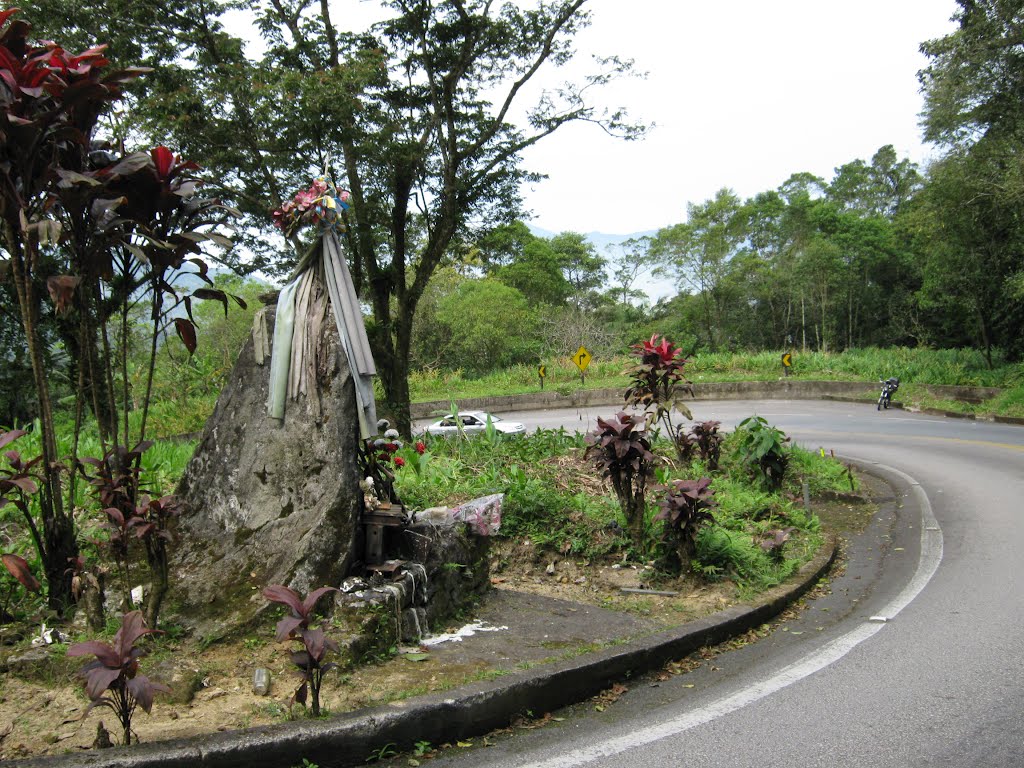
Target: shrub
657,385
763,450
116,669
686,505
315,644
620,449
706,438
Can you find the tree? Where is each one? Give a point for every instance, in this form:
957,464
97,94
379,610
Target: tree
973,106
582,268
537,274
415,117
697,253
632,261
489,326
975,76
882,188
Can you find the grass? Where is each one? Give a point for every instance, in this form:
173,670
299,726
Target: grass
554,499
916,368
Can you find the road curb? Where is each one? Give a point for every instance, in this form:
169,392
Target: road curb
473,710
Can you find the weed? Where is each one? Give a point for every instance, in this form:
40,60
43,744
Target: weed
383,753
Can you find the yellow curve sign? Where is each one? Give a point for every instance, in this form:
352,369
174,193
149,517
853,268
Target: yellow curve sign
582,358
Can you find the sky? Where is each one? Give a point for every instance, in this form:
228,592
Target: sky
743,93
740,93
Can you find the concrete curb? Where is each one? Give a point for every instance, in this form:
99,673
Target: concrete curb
473,710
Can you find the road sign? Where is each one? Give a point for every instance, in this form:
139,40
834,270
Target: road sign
787,359
582,358
542,371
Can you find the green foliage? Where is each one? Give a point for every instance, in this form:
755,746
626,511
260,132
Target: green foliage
488,326
539,504
763,450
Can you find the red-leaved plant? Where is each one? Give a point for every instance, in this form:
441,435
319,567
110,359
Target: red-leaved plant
658,386
774,541
620,449
315,644
685,507
706,438
113,679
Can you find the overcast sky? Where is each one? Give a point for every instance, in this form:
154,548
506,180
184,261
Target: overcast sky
743,94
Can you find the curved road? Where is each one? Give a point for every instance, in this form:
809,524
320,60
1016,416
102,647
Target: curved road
914,660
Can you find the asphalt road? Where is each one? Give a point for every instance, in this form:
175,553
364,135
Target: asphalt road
915,659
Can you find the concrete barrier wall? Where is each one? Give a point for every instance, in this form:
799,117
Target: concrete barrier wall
783,389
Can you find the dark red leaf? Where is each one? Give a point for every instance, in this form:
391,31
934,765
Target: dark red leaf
10,436
186,332
19,569
163,159
278,593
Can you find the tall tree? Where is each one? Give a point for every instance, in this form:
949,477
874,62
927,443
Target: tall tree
697,253
973,90
975,77
582,268
419,118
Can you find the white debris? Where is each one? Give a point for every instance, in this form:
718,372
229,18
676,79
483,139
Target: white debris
467,631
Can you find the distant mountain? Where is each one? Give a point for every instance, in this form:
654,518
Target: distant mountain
600,240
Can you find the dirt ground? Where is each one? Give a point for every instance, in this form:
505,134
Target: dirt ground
542,608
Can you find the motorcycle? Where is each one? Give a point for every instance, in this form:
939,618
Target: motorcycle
889,386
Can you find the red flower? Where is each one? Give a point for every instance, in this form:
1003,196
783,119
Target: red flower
399,461
420,448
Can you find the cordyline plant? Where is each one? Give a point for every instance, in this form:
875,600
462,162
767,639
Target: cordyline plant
685,507
89,227
49,104
132,516
19,568
315,644
113,679
705,437
774,541
658,386
620,449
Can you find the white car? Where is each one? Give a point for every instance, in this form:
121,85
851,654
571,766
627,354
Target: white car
472,423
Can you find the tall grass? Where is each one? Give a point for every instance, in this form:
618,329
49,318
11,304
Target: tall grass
965,367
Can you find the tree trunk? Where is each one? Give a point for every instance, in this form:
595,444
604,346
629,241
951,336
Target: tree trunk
59,542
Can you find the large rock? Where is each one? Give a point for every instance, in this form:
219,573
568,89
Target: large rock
267,501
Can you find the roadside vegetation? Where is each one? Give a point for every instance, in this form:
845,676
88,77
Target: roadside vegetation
917,369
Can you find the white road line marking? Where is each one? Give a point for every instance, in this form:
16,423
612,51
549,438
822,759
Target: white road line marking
927,564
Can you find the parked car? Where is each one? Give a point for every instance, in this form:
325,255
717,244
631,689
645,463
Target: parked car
473,422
